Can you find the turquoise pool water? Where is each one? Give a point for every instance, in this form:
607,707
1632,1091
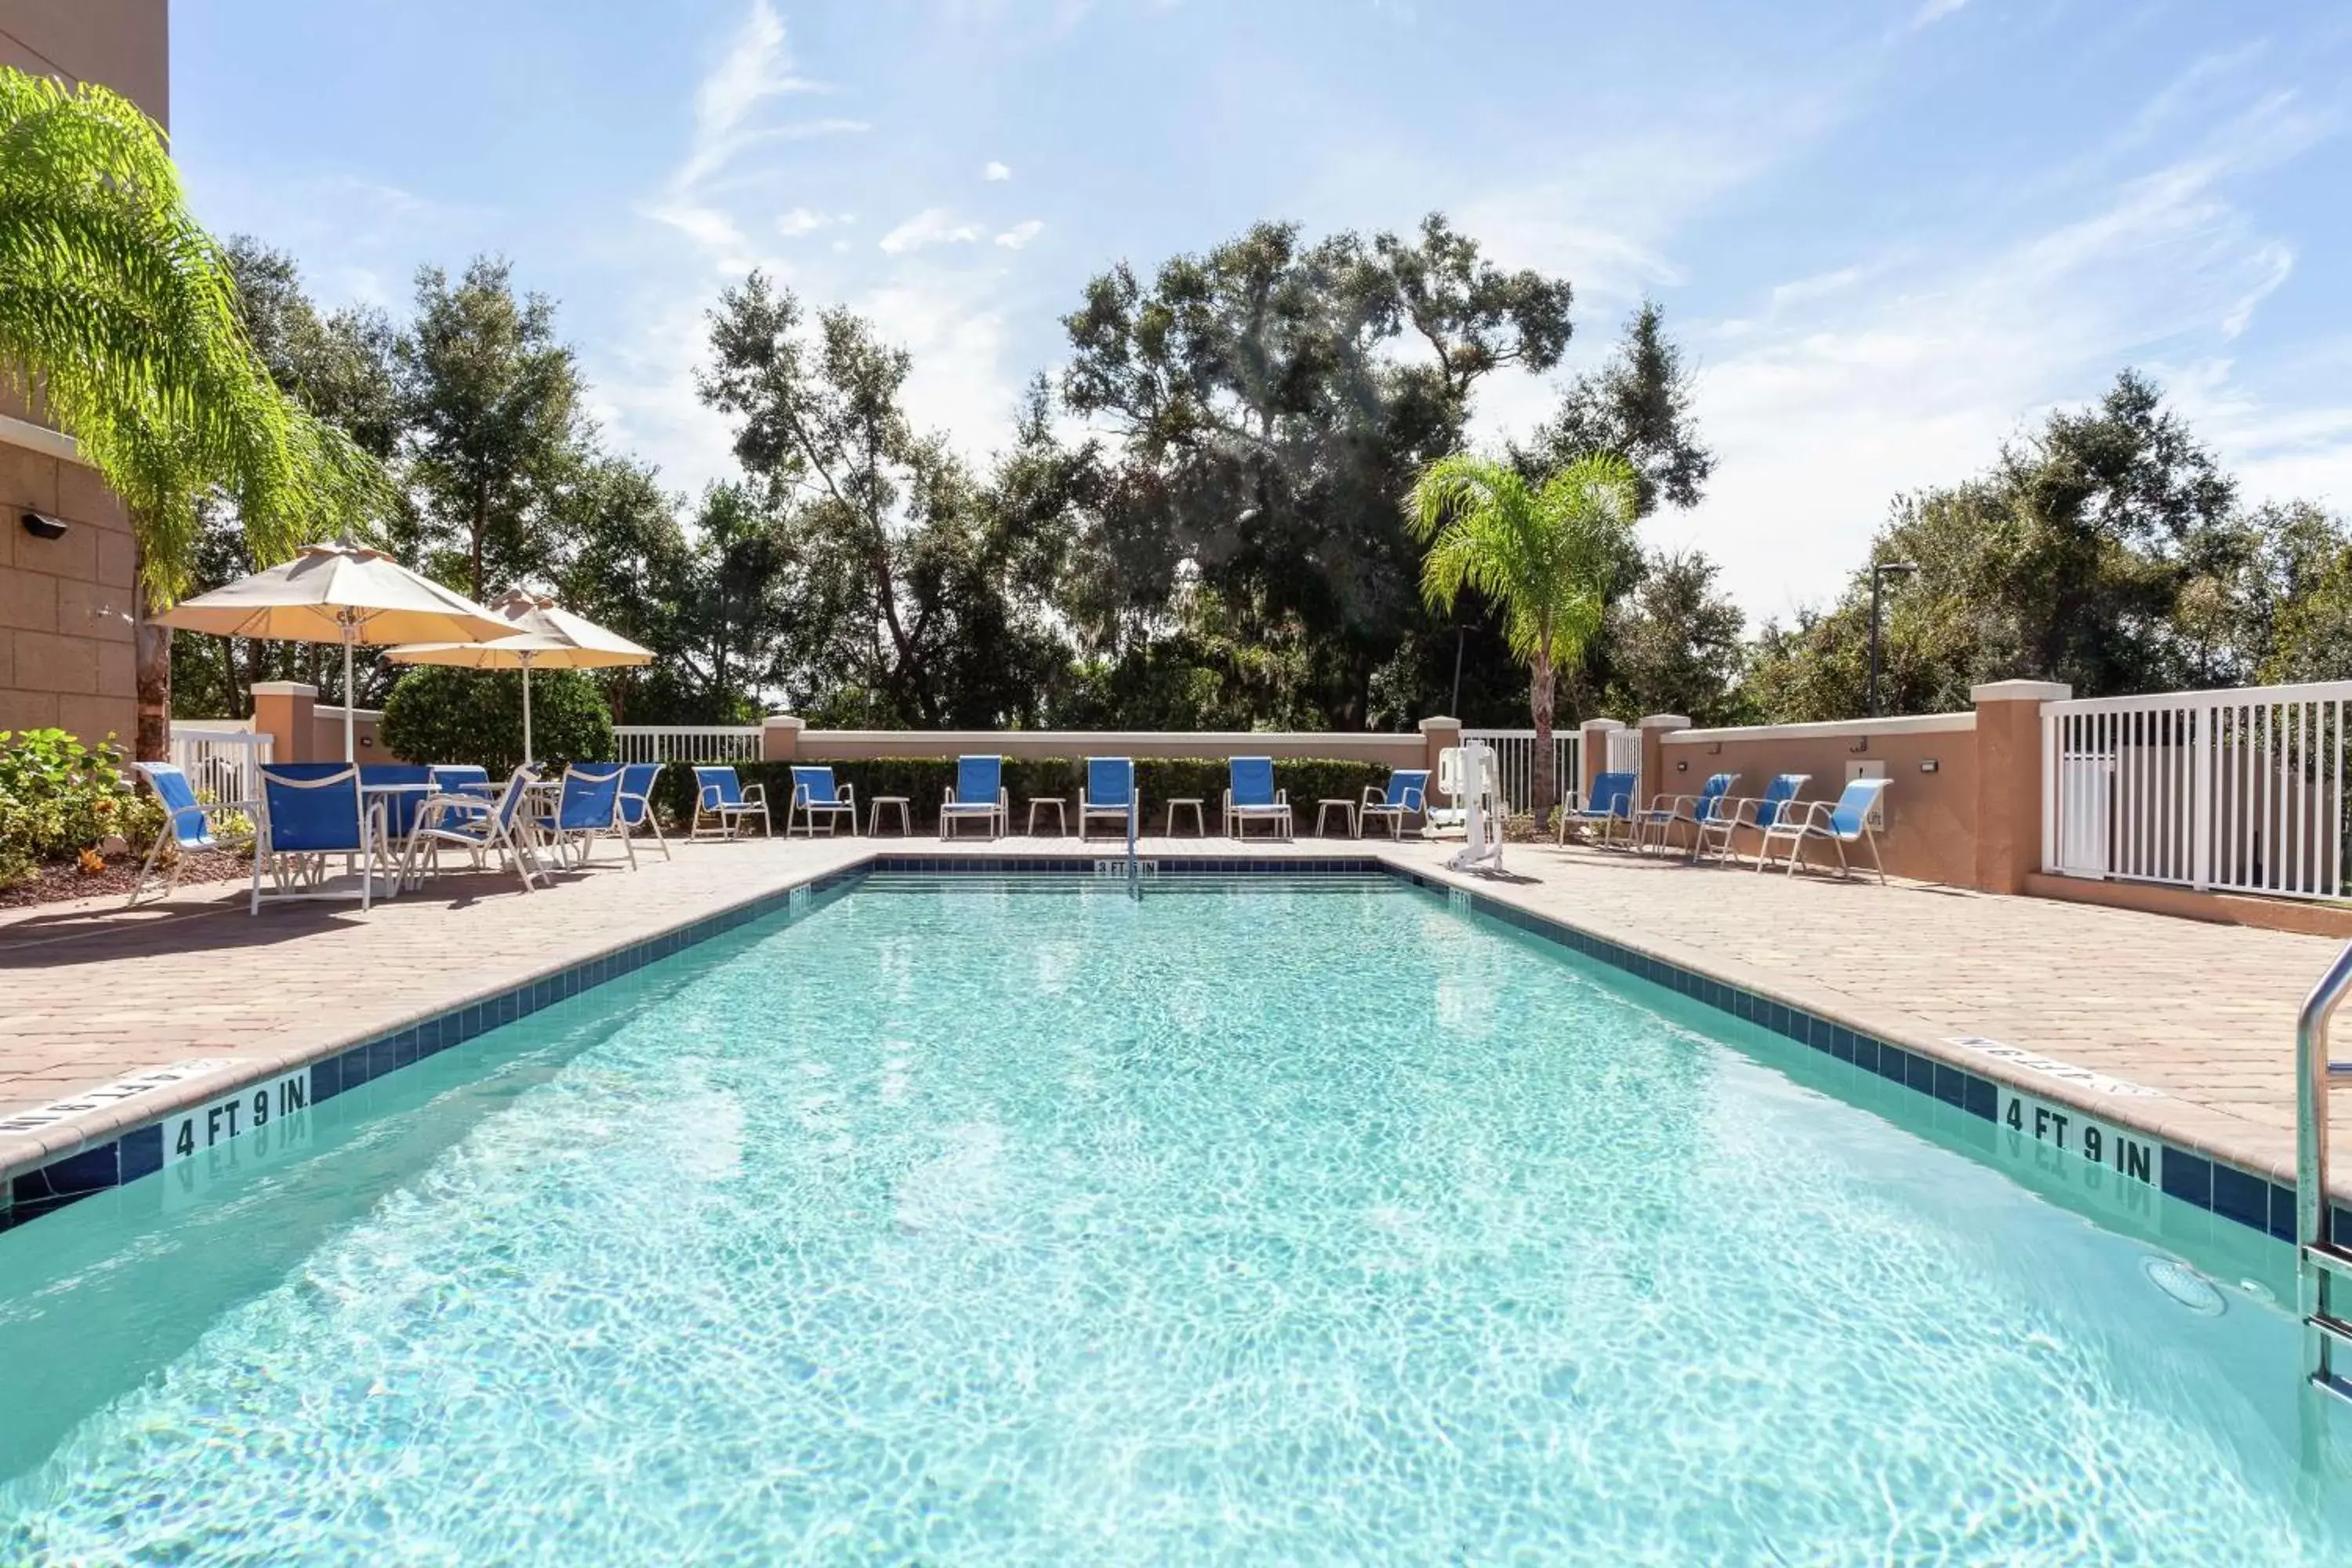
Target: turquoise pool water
976,1224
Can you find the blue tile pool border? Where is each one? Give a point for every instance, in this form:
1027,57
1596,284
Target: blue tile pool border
2200,1180
138,1150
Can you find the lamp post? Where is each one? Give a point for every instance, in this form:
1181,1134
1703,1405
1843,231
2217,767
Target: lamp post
1879,571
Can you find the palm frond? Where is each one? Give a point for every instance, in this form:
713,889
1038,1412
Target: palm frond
118,320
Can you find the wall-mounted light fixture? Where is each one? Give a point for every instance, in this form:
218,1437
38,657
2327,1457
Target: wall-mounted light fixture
1861,744
1929,765
1681,767
40,525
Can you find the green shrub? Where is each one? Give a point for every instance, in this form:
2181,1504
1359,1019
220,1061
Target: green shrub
59,797
925,780
439,713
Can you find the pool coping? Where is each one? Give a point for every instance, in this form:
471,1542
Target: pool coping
118,1138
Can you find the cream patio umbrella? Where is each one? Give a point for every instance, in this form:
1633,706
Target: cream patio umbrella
540,635
343,594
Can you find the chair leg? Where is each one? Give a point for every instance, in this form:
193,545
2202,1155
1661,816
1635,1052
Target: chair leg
147,867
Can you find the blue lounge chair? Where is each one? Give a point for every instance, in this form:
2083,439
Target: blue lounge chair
1847,821
978,795
637,801
187,822
1611,804
1759,812
1108,792
1250,796
1667,812
721,802
309,813
477,826
589,808
815,794
1407,794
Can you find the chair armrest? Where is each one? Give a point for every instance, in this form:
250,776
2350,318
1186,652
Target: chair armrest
755,794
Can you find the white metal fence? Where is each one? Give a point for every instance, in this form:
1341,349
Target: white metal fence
688,742
2241,790
1515,759
221,764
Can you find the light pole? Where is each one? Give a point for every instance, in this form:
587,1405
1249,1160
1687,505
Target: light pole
1880,570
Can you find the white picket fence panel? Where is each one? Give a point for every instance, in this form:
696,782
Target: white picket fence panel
221,764
1515,761
2240,790
688,742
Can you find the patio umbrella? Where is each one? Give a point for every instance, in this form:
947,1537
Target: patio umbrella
343,594
542,635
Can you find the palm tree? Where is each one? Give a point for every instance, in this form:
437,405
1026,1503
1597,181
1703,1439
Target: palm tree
1545,554
119,324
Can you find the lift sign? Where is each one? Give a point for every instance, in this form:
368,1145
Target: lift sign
192,1132
2064,1127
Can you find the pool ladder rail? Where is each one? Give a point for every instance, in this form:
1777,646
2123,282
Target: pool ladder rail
2322,1263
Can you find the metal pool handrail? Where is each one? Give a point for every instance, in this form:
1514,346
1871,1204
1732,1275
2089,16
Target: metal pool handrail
2320,1262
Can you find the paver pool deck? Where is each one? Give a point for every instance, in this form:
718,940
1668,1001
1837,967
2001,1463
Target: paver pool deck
2202,1014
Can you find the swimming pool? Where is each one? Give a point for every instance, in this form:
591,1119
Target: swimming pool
981,1220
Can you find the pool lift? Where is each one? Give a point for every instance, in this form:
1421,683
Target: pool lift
2323,1260
1477,784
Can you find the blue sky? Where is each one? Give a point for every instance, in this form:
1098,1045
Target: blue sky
1888,231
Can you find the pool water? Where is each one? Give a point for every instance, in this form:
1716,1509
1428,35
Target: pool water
973,1222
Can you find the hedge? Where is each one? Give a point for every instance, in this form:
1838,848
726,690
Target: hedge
924,781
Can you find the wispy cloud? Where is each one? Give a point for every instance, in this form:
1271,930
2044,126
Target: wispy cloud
932,225
806,220
755,67
992,170
1020,233
1914,371
1934,11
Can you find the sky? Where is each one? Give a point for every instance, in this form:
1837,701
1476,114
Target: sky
1889,234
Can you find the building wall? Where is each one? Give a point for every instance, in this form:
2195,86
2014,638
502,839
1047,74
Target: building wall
66,606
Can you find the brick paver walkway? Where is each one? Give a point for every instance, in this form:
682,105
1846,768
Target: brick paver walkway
2205,1014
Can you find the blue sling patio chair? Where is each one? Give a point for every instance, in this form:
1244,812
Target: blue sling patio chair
1760,814
977,795
588,808
1845,821
461,778
1407,795
309,813
722,801
187,824
815,793
1250,796
477,825
1612,806
637,801
1668,814
1108,792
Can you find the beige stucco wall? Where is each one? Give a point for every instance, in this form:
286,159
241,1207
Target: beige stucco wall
1931,817
67,604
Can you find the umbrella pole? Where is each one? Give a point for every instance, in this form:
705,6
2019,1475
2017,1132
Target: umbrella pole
526,710
351,750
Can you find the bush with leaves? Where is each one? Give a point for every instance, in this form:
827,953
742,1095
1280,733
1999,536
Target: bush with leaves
59,797
442,714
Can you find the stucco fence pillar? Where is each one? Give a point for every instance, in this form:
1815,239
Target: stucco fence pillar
2008,780
286,711
780,738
